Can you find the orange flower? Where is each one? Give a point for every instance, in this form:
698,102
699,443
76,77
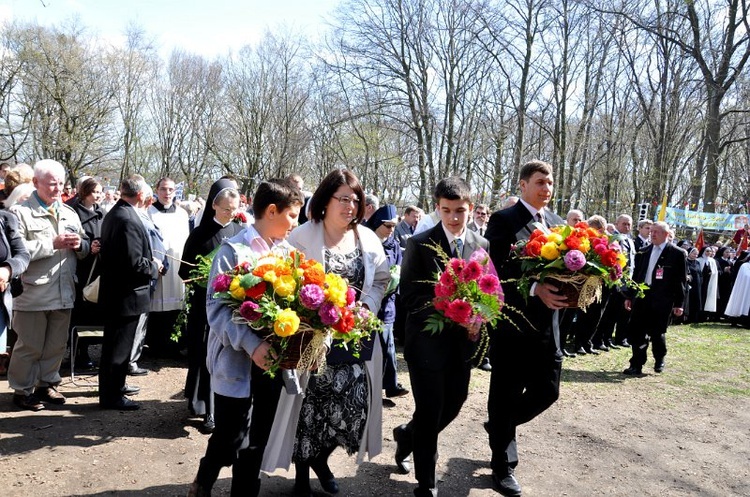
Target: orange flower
315,275
534,248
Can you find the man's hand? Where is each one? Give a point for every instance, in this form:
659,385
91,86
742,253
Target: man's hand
677,311
96,246
628,304
66,241
263,356
159,265
548,294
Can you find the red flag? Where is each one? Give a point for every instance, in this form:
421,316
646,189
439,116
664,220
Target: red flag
699,242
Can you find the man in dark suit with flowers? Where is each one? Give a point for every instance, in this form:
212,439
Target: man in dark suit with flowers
663,267
127,270
525,351
439,364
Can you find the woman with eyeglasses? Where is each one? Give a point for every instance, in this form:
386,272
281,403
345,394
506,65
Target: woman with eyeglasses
342,406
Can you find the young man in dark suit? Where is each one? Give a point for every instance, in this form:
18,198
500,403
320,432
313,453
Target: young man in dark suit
525,351
127,270
663,267
439,364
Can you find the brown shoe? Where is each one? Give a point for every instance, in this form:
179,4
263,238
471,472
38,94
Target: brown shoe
28,402
50,394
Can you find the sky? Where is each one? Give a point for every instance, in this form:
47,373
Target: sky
207,28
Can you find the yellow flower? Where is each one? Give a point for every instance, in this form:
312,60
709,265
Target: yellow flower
287,323
622,259
270,276
550,251
284,286
555,237
585,245
335,290
236,289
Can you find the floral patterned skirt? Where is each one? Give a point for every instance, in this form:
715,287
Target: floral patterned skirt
334,411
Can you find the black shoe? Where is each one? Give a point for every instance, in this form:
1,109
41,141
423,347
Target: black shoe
302,491
28,402
209,424
581,351
602,347
506,485
624,343
121,404
592,351
399,391
130,390
485,365
568,353
659,366
612,345
388,403
138,372
198,490
633,371
50,395
403,449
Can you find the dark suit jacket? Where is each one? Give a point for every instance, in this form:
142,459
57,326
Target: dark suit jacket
665,293
418,270
17,256
127,266
505,228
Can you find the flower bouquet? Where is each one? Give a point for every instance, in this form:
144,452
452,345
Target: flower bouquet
467,293
577,259
291,302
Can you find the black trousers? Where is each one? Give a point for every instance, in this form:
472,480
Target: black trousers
438,398
524,382
119,333
614,321
240,437
648,321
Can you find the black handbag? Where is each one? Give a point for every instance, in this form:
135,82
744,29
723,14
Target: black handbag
16,286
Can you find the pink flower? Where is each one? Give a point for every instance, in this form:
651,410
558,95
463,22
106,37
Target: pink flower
575,260
441,304
471,272
328,313
311,296
457,265
351,295
459,311
615,272
249,310
222,282
444,290
446,278
489,284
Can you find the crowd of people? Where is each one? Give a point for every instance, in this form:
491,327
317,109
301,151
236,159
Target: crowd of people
140,247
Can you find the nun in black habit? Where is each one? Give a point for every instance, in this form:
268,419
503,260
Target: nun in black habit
216,224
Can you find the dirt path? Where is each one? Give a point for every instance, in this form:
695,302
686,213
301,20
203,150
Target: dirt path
605,436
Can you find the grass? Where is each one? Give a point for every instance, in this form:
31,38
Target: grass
707,359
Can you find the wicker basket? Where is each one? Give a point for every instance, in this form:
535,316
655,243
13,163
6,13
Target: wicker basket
298,346
580,290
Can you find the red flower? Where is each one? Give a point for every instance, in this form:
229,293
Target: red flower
573,242
609,258
441,304
346,322
255,292
240,217
459,311
581,225
444,289
533,248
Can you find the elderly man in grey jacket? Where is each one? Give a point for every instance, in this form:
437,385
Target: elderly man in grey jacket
54,237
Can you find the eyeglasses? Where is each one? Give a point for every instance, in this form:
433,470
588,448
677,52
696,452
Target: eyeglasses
345,199
481,214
